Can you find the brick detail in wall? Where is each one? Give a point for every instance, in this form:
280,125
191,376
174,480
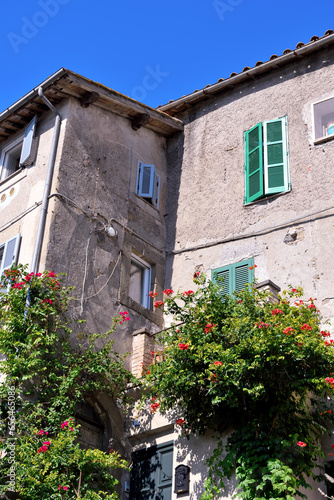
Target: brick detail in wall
142,345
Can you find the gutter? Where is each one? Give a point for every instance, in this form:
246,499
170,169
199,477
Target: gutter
48,182
33,93
250,74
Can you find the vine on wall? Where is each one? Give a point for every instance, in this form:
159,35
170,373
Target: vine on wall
46,370
258,372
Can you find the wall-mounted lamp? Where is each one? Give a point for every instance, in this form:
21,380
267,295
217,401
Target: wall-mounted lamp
111,232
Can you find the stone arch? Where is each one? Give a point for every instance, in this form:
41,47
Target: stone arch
102,425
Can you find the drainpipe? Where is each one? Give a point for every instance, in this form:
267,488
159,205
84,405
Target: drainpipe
48,182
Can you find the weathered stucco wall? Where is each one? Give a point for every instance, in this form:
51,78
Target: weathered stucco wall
206,197
208,165
22,193
97,171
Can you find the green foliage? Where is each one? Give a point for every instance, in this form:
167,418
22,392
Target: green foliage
45,474
50,368
256,371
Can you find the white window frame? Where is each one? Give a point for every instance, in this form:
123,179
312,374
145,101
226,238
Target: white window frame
10,254
268,191
317,116
152,194
146,269
27,155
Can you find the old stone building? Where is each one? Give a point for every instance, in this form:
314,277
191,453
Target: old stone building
126,199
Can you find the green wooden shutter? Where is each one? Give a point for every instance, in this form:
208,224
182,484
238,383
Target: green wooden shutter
276,171
165,473
152,473
253,163
221,277
233,277
242,274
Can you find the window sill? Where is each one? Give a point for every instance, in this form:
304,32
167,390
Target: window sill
154,316
147,202
12,176
321,140
265,198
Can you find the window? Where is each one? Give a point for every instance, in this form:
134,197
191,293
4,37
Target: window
8,254
147,185
323,113
266,159
92,428
140,281
234,277
18,153
152,473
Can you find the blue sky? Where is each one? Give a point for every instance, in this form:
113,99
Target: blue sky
149,50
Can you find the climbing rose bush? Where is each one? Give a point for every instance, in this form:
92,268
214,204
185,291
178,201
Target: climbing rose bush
258,371
49,365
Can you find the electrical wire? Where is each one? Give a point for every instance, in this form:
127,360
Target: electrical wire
19,216
85,274
107,221
110,276
250,235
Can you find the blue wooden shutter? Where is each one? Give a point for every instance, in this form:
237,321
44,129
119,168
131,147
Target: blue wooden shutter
276,171
8,255
157,189
253,163
27,154
146,181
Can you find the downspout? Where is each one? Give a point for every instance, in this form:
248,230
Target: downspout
48,183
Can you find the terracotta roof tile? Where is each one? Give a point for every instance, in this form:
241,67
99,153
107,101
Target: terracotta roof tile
259,63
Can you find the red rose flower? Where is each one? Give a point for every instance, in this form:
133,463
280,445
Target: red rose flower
180,421
276,311
183,347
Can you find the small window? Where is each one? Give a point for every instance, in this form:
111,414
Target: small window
18,153
152,473
140,281
266,159
8,255
234,277
147,185
323,119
